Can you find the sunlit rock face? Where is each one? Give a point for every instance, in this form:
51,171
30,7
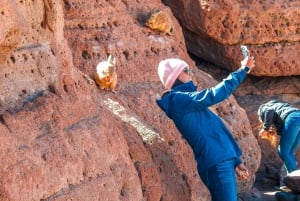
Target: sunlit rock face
64,138
214,30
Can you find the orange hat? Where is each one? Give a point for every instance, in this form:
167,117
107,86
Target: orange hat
169,70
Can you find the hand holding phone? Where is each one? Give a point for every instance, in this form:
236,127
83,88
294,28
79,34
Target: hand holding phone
248,62
244,50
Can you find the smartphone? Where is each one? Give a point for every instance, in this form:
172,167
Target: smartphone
244,50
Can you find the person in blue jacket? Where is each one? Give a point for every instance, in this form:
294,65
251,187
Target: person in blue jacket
215,150
281,118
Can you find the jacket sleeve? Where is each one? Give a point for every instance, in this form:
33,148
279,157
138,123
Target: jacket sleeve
268,119
237,162
220,92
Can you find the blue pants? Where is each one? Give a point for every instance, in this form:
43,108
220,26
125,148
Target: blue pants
289,141
220,181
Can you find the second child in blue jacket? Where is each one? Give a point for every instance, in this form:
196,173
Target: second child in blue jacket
215,150
281,118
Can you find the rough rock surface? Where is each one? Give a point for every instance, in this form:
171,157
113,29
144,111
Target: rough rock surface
214,30
65,139
292,181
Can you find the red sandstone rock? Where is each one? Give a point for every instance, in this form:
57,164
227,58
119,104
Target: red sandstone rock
292,181
214,30
62,138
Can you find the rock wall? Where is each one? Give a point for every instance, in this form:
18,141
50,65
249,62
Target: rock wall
63,138
214,30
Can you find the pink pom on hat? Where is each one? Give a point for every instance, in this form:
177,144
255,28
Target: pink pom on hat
169,70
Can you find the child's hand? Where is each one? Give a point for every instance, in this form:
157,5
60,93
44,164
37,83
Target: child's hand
249,61
242,171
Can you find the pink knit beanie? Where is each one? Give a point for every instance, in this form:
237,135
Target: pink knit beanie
169,70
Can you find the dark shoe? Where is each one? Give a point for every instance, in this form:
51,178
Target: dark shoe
285,196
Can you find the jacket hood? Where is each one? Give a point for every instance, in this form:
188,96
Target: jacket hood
166,98
261,111
282,109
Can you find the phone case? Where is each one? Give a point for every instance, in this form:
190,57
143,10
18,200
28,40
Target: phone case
244,50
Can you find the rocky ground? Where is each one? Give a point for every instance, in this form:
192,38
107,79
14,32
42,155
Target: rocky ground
262,190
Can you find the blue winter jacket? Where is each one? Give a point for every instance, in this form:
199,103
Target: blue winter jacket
209,138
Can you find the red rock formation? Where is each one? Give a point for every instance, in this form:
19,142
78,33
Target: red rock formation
214,30
62,138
